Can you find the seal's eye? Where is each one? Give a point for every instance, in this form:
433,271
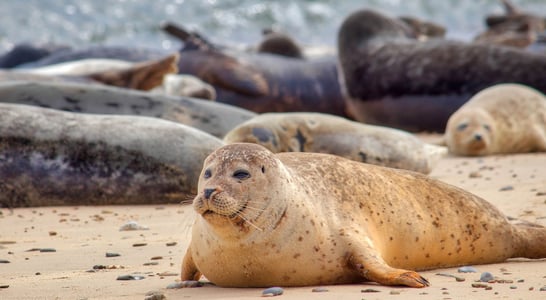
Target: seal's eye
462,127
263,169
486,127
241,174
207,174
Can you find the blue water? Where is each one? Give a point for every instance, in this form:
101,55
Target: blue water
235,22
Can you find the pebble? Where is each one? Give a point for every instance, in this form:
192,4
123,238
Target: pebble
467,269
139,244
108,267
543,289
272,291
154,295
156,257
171,244
319,290
167,274
52,233
513,287
3,261
152,263
4,286
132,225
369,291
112,254
506,188
474,175
395,293
486,277
479,285
130,277
185,284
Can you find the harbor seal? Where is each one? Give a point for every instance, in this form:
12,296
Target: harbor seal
315,132
211,117
50,157
505,118
279,43
426,81
298,219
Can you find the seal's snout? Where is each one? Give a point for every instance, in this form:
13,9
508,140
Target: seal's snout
208,193
478,137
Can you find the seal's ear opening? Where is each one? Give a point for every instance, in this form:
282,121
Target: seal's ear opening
263,169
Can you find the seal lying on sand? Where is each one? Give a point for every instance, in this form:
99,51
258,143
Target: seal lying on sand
505,118
49,157
314,132
296,219
390,79
211,117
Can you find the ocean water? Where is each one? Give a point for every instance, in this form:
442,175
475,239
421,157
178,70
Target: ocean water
232,22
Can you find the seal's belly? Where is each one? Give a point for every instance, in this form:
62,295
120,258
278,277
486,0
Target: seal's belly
271,265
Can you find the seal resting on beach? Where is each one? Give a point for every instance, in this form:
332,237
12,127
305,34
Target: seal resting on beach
50,157
322,133
393,80
505,118
298,219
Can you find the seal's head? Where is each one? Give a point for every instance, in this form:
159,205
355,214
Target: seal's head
235,186
470,132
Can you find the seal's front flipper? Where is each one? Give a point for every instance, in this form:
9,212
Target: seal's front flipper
372,267
189,269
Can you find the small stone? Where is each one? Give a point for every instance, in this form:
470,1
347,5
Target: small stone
130,277
488,288
132,225
531,288
395,293
156,257
445,293
272,291
185,284
467,269
319,290
543,289
369,291
479,285
541,193
167,274
4,286
3,261
112,254
486,277
521,280
457,278
506,188
171,244
37,273
48,250
475,175
505,281
151,263
7,242
154,295
52,233
513,287
139,244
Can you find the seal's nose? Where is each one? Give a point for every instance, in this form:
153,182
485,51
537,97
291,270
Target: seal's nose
478,137
208,192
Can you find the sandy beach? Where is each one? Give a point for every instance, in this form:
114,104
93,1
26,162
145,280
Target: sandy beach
81,236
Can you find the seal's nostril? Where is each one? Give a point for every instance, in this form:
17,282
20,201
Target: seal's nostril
478,137
208,192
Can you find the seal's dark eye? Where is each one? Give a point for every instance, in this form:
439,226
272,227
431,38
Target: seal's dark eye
207,174
241,174
263,169
486,127
462,127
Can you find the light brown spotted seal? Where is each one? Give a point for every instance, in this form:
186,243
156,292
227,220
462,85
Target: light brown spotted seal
505,118
297,219
323,133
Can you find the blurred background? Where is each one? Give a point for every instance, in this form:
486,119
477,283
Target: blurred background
231,22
